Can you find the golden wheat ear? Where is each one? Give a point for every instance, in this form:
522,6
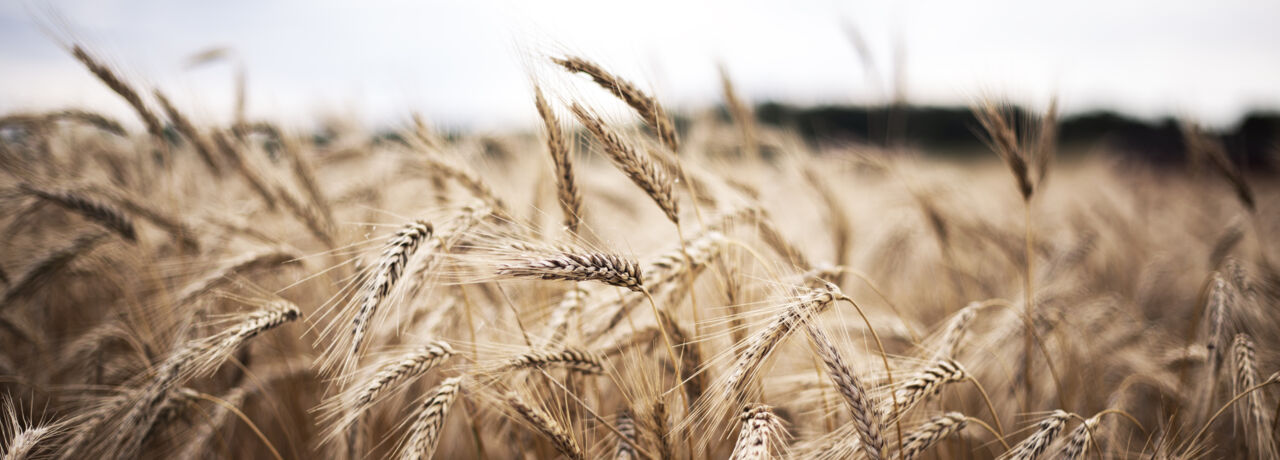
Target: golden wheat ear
103,213
930,433
24,439
188,130
542,423
861,407
121,88
567,192
641,169
644,105
377,286
1036,444
428,421
761,435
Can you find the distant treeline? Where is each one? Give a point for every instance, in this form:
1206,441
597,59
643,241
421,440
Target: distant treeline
1253,141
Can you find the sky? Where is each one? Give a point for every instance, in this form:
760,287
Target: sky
470,64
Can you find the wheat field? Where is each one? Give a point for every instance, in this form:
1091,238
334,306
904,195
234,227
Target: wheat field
620,286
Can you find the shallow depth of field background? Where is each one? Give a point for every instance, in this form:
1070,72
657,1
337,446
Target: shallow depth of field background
661,230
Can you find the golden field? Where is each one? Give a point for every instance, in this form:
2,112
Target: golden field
623,287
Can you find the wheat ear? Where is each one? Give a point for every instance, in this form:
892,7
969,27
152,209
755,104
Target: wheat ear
953,333
642,103
660,428
21,441
565,313
196,358
642,170
406,367
861,407
188,130
105,214
1253,415
96,120
246,169
761,344
610,269
930,432
109,77
1004,140
48,264
741,113
761,434
571,358
926,382
249,261
1201,144
468,179
544,424
1035,445
1221,297
391,264
1078,440
627,428
424,434
566,187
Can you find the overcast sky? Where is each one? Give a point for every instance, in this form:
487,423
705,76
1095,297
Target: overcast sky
468,63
